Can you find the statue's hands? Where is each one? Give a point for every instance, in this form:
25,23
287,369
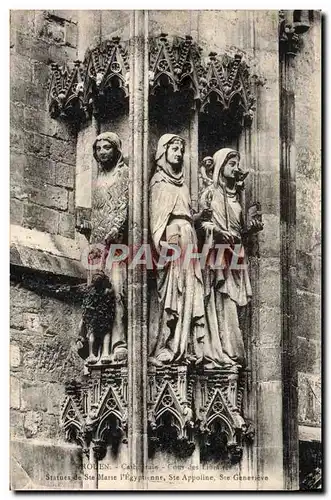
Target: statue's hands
84,226
79,343
208,226
173,239
204,215
111,236
224,237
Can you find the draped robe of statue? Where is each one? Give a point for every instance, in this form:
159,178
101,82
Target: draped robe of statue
180,290
225,289
110,200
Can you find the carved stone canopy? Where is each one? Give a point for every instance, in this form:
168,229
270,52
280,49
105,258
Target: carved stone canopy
101,82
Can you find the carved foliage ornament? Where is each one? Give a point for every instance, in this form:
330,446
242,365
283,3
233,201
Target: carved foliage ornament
175,66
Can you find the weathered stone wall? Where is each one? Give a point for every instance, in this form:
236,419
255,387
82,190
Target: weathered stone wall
43,150
43,356
308,184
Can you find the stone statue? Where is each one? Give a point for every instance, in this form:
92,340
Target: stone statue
98,312
206,173
108,225
226,288
180,289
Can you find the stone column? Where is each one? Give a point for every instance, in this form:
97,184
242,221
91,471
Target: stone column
138,235
288,258
260,146
89,32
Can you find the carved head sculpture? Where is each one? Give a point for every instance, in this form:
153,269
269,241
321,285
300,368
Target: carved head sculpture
208,163
227,167
170,154
100,280
107,150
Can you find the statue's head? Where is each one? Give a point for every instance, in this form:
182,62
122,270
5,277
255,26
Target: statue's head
175,152
100,280
208,163
107,149
226,162
170,150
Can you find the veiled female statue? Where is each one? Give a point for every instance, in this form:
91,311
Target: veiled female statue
226,288
179,286
108,225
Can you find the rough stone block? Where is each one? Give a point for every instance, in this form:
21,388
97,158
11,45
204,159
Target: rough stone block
35,120
67,225
34,396
36,144
36,98
39,461
48,196
16,115
32,323
71,202
269,326
269,401
22,20
308,214
40,74
62,54
309,315
54,357
41,218
270,282
309,163
16,212
63,151
20,67
17,139
16,424
269,366
15,393
18,163
53,31
269,238
309,272
71,34
16,317
22,42
31,423
269,192
39,169
26,299
309,355
64,175
40,51
15,356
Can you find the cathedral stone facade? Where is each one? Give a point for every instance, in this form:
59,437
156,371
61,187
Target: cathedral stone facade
131,131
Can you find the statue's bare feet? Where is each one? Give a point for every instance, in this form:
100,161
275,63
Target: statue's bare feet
120,354
91,360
